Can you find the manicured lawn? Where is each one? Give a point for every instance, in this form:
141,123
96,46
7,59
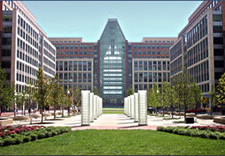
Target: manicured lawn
113,111
118,142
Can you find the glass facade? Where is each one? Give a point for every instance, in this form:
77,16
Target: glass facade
112,63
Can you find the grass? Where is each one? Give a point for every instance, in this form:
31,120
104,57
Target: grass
118,142
113,111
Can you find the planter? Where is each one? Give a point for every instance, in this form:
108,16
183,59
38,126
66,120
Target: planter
204,116
189,120
219,119
5,121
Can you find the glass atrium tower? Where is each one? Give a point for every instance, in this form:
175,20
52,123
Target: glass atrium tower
112,63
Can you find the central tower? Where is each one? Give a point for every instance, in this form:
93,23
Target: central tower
112,63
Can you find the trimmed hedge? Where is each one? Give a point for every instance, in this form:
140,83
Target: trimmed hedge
27,136
193,132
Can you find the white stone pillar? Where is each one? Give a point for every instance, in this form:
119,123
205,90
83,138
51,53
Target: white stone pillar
132,106
85,108
125,106
91,107
128,101
95,105
142,101
98,108
136,107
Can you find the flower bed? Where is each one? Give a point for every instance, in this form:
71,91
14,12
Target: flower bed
16,135
194,132
7,130
211,128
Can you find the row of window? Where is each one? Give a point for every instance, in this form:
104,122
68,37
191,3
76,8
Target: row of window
198,52
151,77
151,65
151,46
27,27
74,52
25,79
74,47
176,66
200,73
175,51
27,48
49,63
74,66
81,86
48,70
49,55
27,58
197,32
146,41
75,77
49,47
26,37
151,52
144,86
25,68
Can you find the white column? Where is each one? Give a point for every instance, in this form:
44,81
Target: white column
98,108
101,106
95,105
85,108
129,110
142,101
132,105
125,106
136,107
91,107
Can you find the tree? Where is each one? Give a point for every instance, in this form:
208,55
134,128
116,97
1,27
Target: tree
77,97
154,97
221,90
69,100
54,94
30,87
7,91
183,85
197,94
41,91
96,91
21,98
169,96
130,91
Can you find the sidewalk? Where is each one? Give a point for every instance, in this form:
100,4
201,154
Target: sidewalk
113,121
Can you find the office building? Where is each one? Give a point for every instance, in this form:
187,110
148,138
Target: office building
112,64
200,46
25,46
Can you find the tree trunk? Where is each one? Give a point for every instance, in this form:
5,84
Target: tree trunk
68,111
42,115
185,112
54,112
24,109
62,111
0,110
14,110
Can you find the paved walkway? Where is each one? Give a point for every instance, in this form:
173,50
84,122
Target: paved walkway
113,121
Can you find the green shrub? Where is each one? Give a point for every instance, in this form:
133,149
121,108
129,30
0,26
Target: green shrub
33,136
9,141
1,142
222,136
41,135
27,138
19,139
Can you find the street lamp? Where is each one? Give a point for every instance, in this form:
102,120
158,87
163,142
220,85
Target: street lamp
68,93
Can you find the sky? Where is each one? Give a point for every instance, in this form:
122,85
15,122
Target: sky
87,19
